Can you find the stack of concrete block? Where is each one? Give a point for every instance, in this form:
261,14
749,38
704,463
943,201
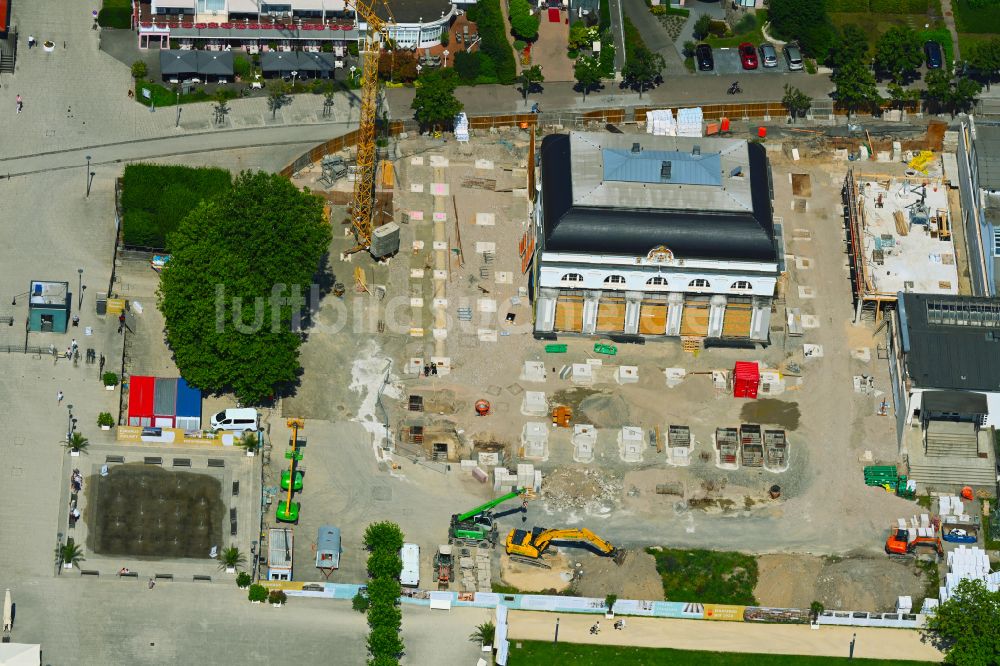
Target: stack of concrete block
533,371
689,122
660,122
582,374
525,475
534,403
503,480
467,569
630,439
484,576
627,374
535,440
584,442
968,563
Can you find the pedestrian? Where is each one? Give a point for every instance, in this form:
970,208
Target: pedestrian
59,397
76,320
20,104
427,370
434,368
74,345
121,322
152,583
31,41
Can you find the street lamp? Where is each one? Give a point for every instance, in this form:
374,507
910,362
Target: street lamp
177,123
556,639
79,287
88,175
853,638
294,74
69,423
446,54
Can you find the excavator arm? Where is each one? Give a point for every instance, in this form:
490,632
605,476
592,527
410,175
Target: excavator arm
543,540
482,508
531,545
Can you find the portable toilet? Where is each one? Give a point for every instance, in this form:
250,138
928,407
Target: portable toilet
746,379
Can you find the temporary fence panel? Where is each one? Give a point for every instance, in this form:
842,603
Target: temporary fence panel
140,400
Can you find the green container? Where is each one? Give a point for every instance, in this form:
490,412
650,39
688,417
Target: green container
555,349
601,348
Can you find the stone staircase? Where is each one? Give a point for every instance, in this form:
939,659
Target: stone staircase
952,444
8,53
953,474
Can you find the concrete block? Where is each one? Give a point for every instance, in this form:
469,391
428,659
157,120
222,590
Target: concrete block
489,459
535,404
627,374
630,444
533,371
468,465
535,440
674,376
582,374
415,366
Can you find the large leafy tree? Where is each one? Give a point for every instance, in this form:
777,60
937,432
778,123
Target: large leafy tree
642,69
523,24
851,44
947,94
234,288
984,59
805,21
529,78
965,626
588,73
899,52
435,103
855,86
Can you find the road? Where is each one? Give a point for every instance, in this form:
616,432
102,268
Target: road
618,32
871,643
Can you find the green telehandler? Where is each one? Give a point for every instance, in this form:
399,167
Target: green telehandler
475,527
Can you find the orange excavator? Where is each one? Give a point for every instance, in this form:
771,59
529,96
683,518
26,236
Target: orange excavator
900,543
528,547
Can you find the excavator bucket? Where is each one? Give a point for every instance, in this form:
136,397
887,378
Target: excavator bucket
619,556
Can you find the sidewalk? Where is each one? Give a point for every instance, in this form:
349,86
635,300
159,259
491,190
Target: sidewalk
725,636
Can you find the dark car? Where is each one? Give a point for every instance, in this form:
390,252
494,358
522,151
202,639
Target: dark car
703,56
933,53
748,56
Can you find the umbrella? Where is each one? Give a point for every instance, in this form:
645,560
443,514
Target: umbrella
272,62
178,63
215,63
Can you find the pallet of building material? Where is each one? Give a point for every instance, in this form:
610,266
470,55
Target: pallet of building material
480,183
879,475
727,441
678,437
902,228
751,445
775,448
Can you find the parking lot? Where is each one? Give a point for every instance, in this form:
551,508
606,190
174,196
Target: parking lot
727,62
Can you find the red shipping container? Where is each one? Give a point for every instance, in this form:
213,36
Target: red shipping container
746,379
140,400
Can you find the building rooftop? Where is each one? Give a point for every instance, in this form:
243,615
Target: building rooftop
951,342
414,11
615,195
48,293
987,142
920,260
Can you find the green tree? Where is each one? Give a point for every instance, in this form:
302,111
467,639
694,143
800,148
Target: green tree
702,27
984,58
232,558
77,442
642,69
384,563
445,37
855,87
493,33
579,36
232,294
530,76
851,44
360,603
796,101
277,96
467,65
947,94
484,634
588,73
383,661
384,642
383,615
70,553
384,591
965,626
606,58
221,106
938,92
899,52
435,103
383,535
139,70
963,95
523,24
805,21
257,593
900,96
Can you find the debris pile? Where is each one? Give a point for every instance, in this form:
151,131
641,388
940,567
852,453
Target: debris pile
580,488
474,565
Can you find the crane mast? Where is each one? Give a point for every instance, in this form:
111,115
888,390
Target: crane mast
362,207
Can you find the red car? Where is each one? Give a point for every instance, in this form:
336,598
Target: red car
748,55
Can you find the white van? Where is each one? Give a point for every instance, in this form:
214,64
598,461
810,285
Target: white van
410,575
236,419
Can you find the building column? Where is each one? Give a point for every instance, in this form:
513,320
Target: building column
633,303
716,316
590,301
545,310
675,310
760,318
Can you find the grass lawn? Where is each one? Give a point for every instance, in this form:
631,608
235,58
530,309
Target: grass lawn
544,652
706,576
968,19
754,36
161,96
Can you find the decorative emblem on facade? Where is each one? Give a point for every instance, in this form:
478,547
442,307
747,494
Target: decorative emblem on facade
660,254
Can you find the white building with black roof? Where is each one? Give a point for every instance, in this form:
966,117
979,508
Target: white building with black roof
652,237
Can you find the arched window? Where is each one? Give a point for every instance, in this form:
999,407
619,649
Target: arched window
657,282
742,285
570,278
614,279
699,283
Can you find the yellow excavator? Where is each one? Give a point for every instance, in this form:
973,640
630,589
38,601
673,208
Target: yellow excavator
528,547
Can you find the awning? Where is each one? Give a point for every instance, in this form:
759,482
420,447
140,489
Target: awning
315,62
286,61
215,63
175,62
957,402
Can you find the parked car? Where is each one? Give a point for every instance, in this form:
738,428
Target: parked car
703,56
934,54
748,56
793,56
768,56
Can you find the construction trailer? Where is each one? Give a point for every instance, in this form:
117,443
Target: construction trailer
328,549
279,553
751,445
727,441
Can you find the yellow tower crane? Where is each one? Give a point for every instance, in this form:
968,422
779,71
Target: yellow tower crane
362,207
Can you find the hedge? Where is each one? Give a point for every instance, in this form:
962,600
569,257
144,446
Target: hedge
493,32
604,12
846,6
115,17
971,18
877,6
156,198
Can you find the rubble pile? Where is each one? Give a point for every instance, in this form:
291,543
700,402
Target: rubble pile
580,488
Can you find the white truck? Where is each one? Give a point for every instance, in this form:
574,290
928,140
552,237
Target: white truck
410,575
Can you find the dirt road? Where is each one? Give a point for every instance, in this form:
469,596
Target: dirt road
726,636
